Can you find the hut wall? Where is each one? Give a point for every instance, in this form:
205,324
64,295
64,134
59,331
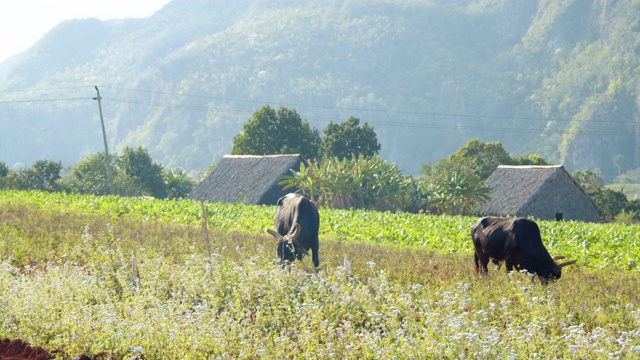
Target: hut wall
559,194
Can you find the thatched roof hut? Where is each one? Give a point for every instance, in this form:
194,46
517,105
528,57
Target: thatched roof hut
247,179
543,192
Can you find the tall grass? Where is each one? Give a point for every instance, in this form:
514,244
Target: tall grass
66,285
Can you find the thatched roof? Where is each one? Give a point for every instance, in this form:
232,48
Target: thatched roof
543,192
247,179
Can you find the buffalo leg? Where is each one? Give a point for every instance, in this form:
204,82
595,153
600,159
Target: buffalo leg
509,264
481,261
314,255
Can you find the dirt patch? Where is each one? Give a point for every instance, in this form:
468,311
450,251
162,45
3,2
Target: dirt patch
20,350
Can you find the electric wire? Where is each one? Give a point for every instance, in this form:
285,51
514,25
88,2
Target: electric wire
399,123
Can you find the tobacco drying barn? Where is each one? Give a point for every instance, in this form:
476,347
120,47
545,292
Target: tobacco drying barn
542,192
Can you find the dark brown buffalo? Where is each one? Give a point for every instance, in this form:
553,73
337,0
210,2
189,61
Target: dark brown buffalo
517,243
297,223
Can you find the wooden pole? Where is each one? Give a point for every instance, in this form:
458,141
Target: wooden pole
104,137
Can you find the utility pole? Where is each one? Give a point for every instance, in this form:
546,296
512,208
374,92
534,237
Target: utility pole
104,137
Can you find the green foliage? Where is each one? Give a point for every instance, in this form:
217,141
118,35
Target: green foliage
627,217
148,288
7,178
43,175
480,158
352,183
456,185
306,181
4,169
459,195
349,140
133,173
611,202
271,132
589,180
139,175
89,176
533,159
178,184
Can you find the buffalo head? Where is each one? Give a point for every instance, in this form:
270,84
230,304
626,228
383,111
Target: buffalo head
288,248
554,271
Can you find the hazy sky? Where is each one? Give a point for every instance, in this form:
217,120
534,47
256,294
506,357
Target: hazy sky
23,22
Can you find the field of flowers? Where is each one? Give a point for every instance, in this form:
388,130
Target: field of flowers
133,278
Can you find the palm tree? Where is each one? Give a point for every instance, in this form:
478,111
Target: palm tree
303,180
460,193
178,184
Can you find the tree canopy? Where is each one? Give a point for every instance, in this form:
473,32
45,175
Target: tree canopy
89,176
349,140
481,158
271,132
134,173
279,131
138,173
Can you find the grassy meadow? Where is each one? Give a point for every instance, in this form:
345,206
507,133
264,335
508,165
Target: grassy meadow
135,278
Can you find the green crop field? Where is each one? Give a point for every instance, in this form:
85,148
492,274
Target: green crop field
135,278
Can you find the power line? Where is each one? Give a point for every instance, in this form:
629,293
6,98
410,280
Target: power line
44,89
463,127
395,123
43,100
402,112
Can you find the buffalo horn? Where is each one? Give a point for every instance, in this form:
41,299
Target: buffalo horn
275,235
296,232
566,263
558,257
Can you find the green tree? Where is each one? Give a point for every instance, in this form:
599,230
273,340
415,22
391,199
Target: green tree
356,183
481,158
349,140
139,175
178,184
43,175
4,169
89,176
610,202
456,185
589,180
7,178
276,132
305,181
442,170
133,174
454,191
533,159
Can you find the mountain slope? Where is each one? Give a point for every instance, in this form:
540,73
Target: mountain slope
551,77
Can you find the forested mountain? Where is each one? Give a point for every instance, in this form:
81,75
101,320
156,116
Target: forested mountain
553,77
